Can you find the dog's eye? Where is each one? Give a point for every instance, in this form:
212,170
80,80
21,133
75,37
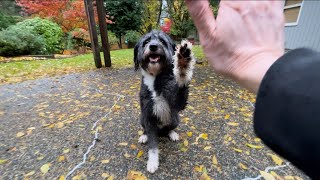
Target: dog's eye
146,42
162,41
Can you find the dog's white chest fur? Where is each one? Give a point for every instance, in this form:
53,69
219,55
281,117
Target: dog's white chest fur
160,108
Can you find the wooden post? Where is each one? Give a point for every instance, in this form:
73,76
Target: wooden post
104,33
93,33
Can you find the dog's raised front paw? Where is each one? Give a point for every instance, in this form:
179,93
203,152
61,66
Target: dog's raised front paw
174,136
183,63
143,138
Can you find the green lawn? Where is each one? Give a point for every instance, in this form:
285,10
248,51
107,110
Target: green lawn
26,70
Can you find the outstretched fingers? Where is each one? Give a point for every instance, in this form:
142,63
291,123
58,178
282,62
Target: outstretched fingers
202,15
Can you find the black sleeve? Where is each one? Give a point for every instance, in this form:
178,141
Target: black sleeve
287,113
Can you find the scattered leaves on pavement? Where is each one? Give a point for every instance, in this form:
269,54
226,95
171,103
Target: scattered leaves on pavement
276,159
267,176
45,168
136,175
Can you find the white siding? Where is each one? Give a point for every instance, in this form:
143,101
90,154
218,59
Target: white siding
307,32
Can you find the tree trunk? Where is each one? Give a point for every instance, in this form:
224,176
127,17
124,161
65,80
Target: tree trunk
159,16
120,43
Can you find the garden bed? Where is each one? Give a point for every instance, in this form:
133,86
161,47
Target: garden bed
35,57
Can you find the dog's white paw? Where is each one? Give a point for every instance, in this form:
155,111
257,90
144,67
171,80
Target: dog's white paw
183,63
153,161
174,136
143,138
152,166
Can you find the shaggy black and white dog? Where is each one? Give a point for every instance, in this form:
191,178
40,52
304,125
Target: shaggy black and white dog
166,72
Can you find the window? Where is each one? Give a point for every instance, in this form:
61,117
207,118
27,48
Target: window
292,9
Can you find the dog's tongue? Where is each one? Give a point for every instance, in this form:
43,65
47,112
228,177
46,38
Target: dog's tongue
154,59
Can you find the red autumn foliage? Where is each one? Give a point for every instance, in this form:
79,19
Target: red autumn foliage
68,14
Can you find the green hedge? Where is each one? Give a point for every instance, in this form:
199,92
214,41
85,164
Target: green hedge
31,36
14,42
49,31
6,21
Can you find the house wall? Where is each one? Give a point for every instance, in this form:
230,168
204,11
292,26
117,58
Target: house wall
307,32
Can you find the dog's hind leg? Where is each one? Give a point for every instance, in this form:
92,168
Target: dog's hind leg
183,63
153,153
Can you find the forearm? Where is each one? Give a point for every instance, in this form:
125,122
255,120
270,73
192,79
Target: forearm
287,116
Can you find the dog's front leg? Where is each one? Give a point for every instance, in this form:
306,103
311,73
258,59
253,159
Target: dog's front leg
153,153
183,63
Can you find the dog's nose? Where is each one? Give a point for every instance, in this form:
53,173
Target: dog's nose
153,47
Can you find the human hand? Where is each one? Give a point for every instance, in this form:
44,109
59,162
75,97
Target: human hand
245,39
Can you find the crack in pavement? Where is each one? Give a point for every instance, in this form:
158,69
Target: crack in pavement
268,169
96,134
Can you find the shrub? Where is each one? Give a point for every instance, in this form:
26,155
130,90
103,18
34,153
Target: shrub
14,41
80,37
132,37
112,38
49,31
6,21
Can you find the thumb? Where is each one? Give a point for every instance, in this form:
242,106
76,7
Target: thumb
202,15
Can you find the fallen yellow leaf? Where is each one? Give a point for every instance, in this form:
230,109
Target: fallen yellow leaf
276,175
106,161
140,133
77,177
66,151
183,149
298,178
2,161
214,160
61,158
51,126
140,153
199,168
205,176
127,155
189,134
185,143
62,177
242,166
267,176
204,136
254,146
45,168
30,173
110,178
288,177
59,125
227,116
233,124
133,146
20,134
105,175
207,148
237,150
257,139
136,175
123,144
92,158
185,119
276,159
40,158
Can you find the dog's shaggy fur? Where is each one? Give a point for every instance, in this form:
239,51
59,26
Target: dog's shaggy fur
166,72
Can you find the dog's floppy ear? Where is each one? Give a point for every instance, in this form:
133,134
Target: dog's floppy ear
135,58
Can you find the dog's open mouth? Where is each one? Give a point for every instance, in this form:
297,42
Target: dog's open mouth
154,58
